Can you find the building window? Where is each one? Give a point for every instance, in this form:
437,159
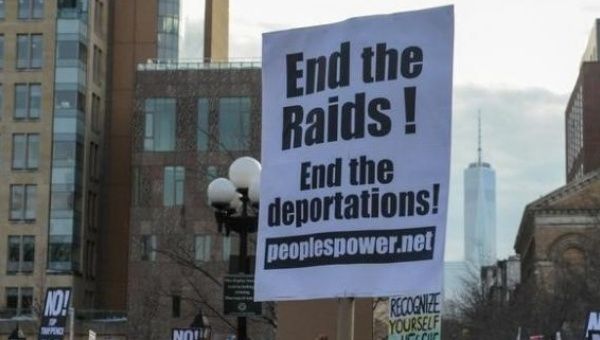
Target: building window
1,40
21,253
62,250
202,132
92,210
29,51
212,173
23,202
159,129
2,10
135,186
174,182
96,113
1,101
94,164
176,306
31,9
99,17
90,260
19,300
28,99
226,248
25,153
168,29
70,52
202,248
98,70
148,247
234,123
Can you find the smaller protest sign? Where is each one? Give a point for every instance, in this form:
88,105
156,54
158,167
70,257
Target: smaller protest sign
415,317
91,335
195,333
238,296
54,317
592,325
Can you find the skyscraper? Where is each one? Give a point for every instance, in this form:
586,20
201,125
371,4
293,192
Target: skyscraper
480,211
582,115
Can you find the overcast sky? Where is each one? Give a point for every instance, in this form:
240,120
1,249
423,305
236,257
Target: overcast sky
515,60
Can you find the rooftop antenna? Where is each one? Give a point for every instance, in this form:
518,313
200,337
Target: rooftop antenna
479,138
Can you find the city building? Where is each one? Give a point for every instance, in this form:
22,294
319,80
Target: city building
67,82
582,115
53,57
191,121
143,32
501,280
480,212
556,229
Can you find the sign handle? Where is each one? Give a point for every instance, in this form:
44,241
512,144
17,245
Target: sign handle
71,323
345,319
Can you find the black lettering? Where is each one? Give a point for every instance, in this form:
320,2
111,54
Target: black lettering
315,132
383,123
339,64
315,68
292,118
367,57
304,175
385,171
274,213
386,58
351,210
293,74
287,214
332,124
423,202
412,62
353,118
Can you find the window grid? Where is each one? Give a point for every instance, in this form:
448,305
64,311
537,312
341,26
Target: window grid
98,64
234,123
148,248
30,9
1,101
96,112
99,18
23,200
202,248
21,253
173,186
19,300
25,152
159,129
1,40
28,98
203,133
29,51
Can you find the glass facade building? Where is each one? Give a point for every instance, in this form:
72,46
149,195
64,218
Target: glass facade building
168,29
70,89
582,114
480,214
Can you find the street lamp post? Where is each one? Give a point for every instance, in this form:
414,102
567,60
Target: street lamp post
235,201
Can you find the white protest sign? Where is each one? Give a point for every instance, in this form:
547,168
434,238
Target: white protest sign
415,317
355,154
